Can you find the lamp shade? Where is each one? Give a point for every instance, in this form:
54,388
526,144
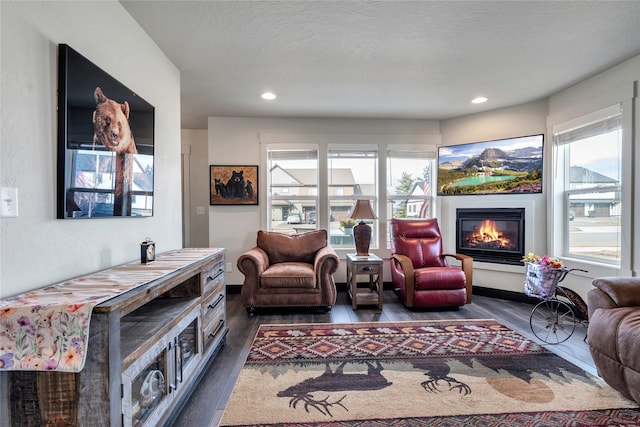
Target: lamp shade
362,232
362,210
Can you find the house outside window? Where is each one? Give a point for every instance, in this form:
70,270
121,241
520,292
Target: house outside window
352,175
292,181
590,154
409,177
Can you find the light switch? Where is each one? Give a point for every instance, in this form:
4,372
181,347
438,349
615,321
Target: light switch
200,210
9,202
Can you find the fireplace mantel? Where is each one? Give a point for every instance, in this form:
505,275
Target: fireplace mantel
495,235
535,237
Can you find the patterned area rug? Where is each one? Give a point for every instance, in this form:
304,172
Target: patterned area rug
435,373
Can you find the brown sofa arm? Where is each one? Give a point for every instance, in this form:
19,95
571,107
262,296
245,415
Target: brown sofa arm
252,263
404,264
613,292
467,267
325,265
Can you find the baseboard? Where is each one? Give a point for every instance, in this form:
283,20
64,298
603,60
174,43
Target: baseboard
502,294
233,289
477,290
340,287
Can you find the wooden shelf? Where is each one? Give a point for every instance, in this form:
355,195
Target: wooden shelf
140,329
125,331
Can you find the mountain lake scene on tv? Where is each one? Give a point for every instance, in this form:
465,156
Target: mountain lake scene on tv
502,166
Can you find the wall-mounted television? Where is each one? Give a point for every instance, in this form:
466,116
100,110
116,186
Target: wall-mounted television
105,143
501,166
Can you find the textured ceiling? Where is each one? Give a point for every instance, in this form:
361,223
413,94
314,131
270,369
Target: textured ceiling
369,59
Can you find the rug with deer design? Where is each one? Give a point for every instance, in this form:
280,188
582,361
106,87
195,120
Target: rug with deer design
435,373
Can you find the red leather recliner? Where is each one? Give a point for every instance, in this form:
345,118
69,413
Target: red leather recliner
419,270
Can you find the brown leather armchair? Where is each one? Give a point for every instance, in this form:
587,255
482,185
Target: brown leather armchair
419,270
289,271
614,332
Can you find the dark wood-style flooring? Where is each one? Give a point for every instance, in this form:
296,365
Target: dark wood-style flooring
205,406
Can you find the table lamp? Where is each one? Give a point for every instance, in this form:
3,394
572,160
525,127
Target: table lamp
362,232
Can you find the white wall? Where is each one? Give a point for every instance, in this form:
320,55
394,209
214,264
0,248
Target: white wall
37,249
195,187
607,88
235,141
521,120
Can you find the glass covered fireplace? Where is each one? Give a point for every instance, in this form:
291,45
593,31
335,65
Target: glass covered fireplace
491,234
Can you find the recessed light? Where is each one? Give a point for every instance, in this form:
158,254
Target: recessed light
269,96
479,100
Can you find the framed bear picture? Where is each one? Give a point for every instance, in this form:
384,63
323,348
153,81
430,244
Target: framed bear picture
233,185
105,143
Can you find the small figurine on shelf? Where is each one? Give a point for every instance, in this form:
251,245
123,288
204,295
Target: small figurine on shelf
147,251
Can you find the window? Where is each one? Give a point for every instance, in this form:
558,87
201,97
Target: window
409,177
352,175
313,182
292,180
589,153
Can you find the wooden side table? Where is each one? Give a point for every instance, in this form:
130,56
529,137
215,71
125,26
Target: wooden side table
371,294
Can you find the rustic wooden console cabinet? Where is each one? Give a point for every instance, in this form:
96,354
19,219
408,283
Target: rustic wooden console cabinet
146,349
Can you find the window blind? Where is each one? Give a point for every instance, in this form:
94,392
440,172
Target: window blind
276,155
599,127
407,154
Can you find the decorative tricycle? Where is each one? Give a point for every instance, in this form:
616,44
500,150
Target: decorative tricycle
553,320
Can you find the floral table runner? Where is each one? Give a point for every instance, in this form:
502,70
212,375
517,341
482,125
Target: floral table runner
47,329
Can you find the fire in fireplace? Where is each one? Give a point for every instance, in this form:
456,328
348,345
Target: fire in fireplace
488,236
491,234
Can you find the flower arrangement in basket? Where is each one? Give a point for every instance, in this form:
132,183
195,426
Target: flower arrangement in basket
542,276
